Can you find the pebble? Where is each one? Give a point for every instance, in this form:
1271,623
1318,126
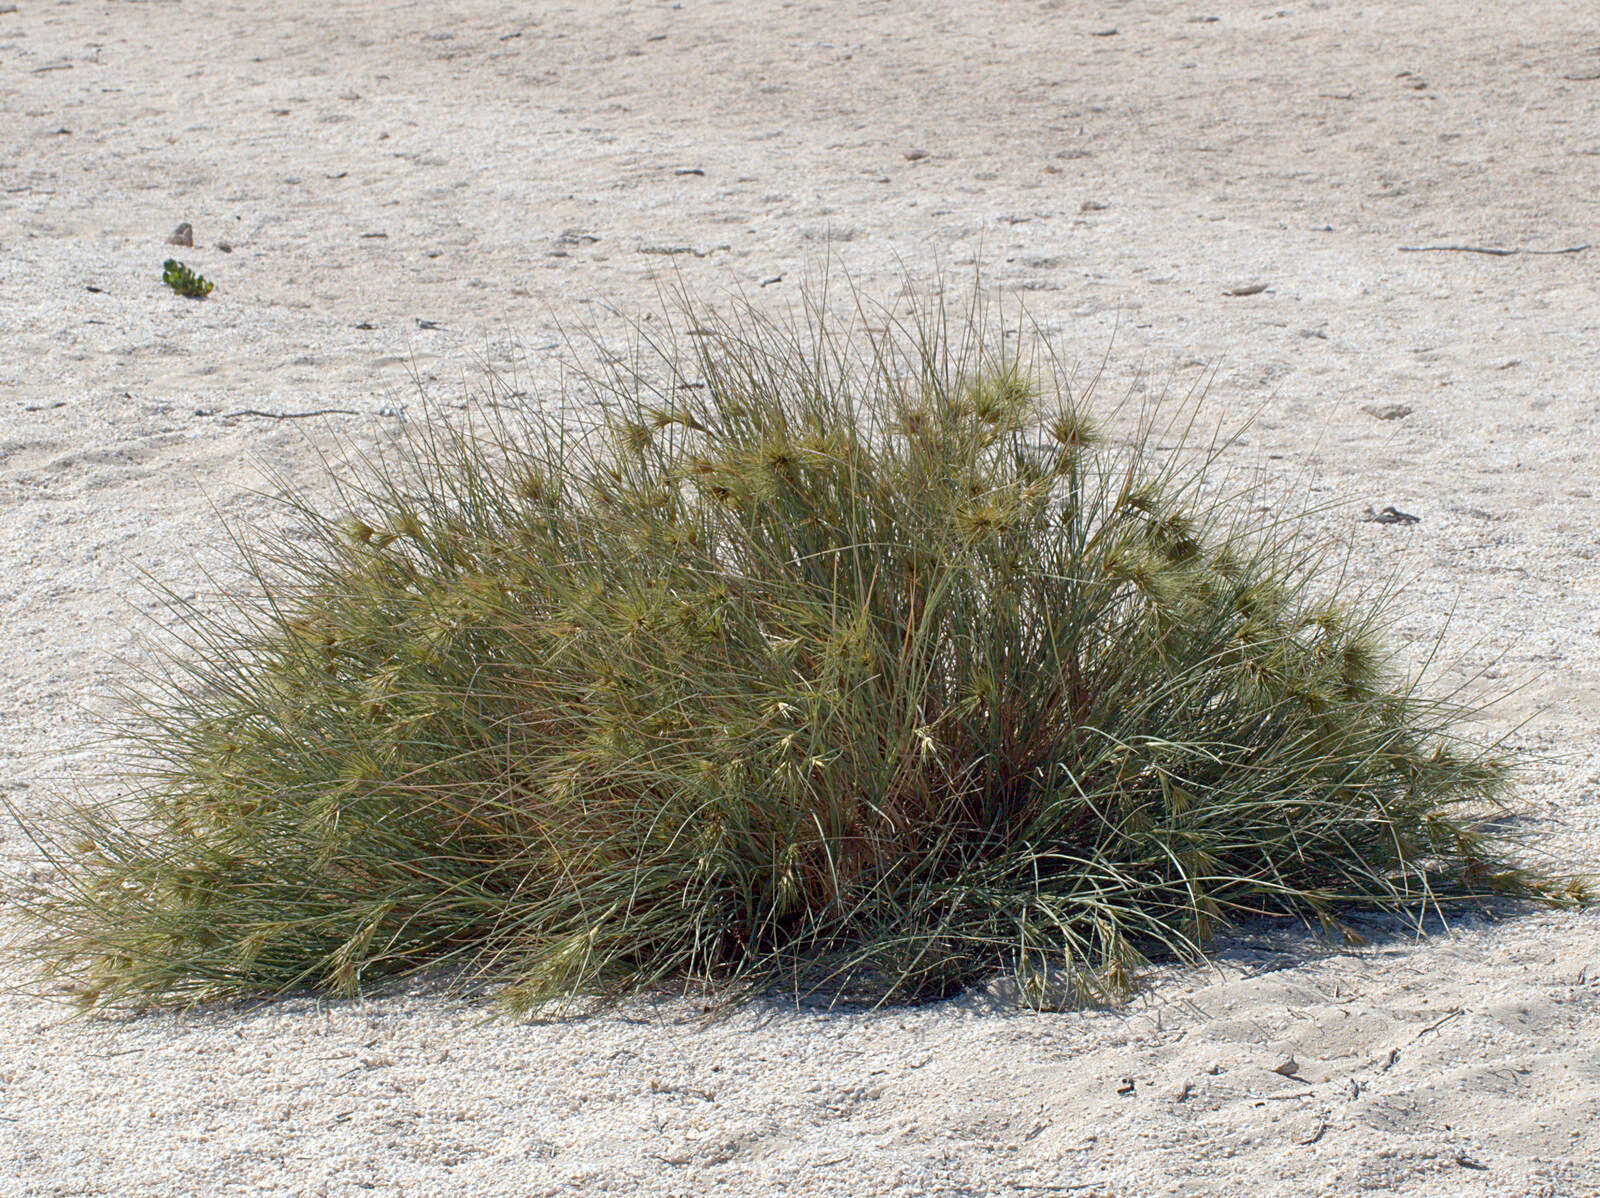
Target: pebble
1390,515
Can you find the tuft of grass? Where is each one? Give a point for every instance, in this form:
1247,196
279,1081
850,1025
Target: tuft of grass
184,281
855,652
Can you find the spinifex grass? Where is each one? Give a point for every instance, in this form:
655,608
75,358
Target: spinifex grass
828,658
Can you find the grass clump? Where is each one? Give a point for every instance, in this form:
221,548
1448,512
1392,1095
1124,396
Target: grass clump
184,281
816,655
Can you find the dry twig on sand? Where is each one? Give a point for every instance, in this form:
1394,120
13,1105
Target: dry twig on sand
1492,251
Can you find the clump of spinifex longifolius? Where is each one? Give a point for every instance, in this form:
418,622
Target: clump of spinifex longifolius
809,656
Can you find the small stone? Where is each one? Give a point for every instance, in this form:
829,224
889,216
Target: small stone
1390,515
1287,1066
182,235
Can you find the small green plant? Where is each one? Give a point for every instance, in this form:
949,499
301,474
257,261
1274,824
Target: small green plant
183,280
805,658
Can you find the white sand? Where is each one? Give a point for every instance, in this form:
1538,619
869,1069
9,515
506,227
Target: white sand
1298,147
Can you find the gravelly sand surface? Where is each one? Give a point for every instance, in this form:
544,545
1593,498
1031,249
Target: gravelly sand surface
433,187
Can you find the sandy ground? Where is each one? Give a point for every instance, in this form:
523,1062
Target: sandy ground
434,186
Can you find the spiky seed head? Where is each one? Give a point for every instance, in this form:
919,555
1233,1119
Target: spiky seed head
1326,617
831,450
915,421
1161,583
407,525
1175,537
1072,430
1225,563
1146,498
1360,665
695,468
633,436
682,538
779,456
787,896
732,488
984,520
1178,801
532,485
992,405
1001,397
1259,601
660,418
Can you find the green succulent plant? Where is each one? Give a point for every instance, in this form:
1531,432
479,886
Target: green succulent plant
184,281
806,657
